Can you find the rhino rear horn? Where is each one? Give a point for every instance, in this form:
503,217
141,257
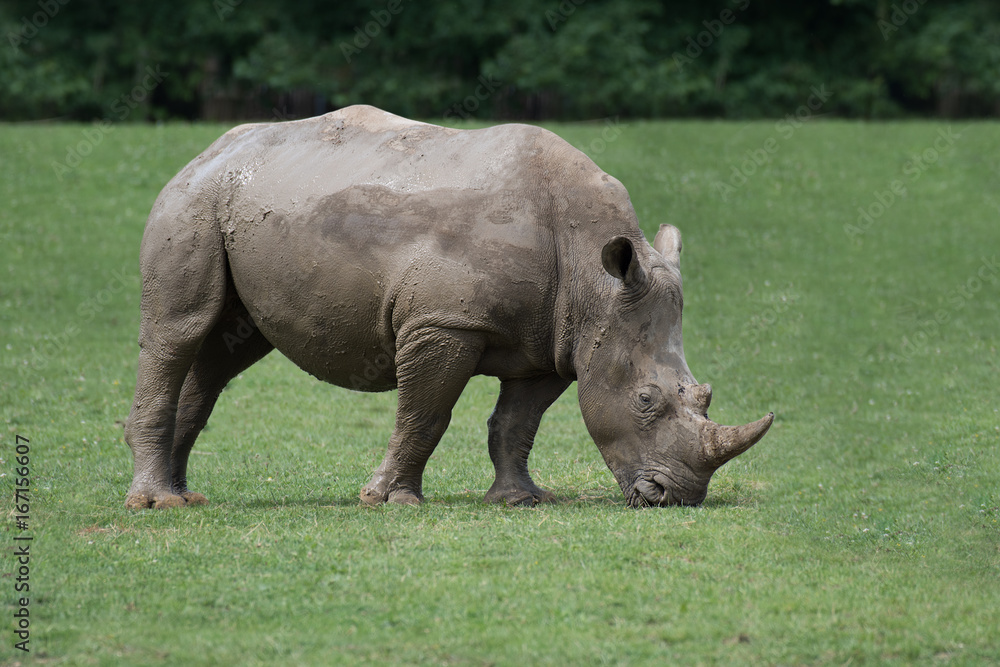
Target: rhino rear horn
697,396
668,244
723,443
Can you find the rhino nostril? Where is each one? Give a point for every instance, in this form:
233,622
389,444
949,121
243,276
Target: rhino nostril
654,488
663,482
649,491
661,479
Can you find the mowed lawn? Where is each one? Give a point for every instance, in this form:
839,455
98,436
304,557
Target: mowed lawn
862,530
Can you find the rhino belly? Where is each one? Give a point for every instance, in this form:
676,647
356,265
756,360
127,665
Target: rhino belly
318,302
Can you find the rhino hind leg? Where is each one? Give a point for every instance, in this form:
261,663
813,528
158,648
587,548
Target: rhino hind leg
512,429
183,292
233,345
433,365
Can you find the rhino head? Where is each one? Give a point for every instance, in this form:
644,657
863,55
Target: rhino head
641,404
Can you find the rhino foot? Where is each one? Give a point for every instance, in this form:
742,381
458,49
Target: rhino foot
377,492
519,496
141,501
194,498
164,500
404,497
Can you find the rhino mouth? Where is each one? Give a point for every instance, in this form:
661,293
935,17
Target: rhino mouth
673,482
655,488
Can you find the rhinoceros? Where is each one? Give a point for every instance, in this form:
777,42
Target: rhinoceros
376,253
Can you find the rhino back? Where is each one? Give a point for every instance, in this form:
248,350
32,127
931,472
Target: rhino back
345,231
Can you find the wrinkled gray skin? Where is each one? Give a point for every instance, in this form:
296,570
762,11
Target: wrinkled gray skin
377,252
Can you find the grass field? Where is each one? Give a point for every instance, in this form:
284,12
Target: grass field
862,530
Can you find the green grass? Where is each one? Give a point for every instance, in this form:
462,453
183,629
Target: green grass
863,529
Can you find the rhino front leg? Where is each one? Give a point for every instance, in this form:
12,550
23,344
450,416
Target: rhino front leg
432,368
512,429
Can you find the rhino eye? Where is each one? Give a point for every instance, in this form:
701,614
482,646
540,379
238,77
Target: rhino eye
645,401
645,406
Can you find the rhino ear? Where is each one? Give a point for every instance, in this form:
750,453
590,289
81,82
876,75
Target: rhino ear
668,244
621,260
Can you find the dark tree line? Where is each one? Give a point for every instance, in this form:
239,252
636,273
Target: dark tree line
570,59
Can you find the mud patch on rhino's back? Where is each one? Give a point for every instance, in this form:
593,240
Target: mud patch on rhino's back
333,131
373,120
243,129
411,141
403,134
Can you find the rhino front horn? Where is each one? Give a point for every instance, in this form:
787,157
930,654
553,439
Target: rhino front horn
723,443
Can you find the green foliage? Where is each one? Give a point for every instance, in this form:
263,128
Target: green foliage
862,529
567,59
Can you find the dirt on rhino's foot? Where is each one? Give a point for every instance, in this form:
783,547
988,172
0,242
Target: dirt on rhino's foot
374,494
194,498
405,497
141,501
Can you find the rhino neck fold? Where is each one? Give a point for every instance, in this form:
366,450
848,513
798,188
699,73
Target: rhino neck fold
567,312
585,209
578,323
